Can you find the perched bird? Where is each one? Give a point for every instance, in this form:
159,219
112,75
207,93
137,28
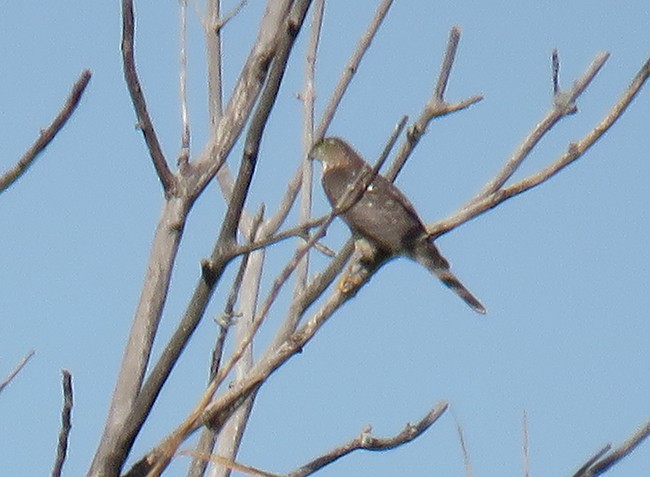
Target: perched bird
383,217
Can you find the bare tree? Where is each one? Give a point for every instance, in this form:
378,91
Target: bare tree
222,410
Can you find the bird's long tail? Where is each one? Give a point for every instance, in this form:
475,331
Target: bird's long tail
427,254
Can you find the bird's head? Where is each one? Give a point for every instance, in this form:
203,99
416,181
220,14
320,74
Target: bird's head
333,152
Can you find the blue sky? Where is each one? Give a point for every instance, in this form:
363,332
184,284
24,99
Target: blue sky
563,270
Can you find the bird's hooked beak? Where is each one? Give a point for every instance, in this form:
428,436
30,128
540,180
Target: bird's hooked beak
316,152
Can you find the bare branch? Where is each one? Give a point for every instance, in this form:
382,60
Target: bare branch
555,72
66,424
118,437
208,437
231,435
602,465
213,63
139,104
447,63
227,463
366,441
16,370
308,98
564,104
463,447
435,107
221,22
47,135
270,45
574,152
594,458
301,230
351,68
524,432
184,155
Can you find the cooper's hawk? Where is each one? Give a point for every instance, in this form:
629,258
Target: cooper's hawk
383,216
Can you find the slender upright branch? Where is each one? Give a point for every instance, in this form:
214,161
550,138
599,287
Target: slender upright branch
555,72
308,98
46,135
213,62
66,424
447,63
137,97
184,155
525,446
351,67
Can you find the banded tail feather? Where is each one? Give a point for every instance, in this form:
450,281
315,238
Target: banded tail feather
427,254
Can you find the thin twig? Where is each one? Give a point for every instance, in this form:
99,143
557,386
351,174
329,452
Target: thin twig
221,22
555,72
16,370
232,433
46,135
227,463
436,106
447,63
213,49
66,423
525,447
308,98
351,68
184,155
301,230
137,97
467,462
366,441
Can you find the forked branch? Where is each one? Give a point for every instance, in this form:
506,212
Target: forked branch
137,97
489,198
